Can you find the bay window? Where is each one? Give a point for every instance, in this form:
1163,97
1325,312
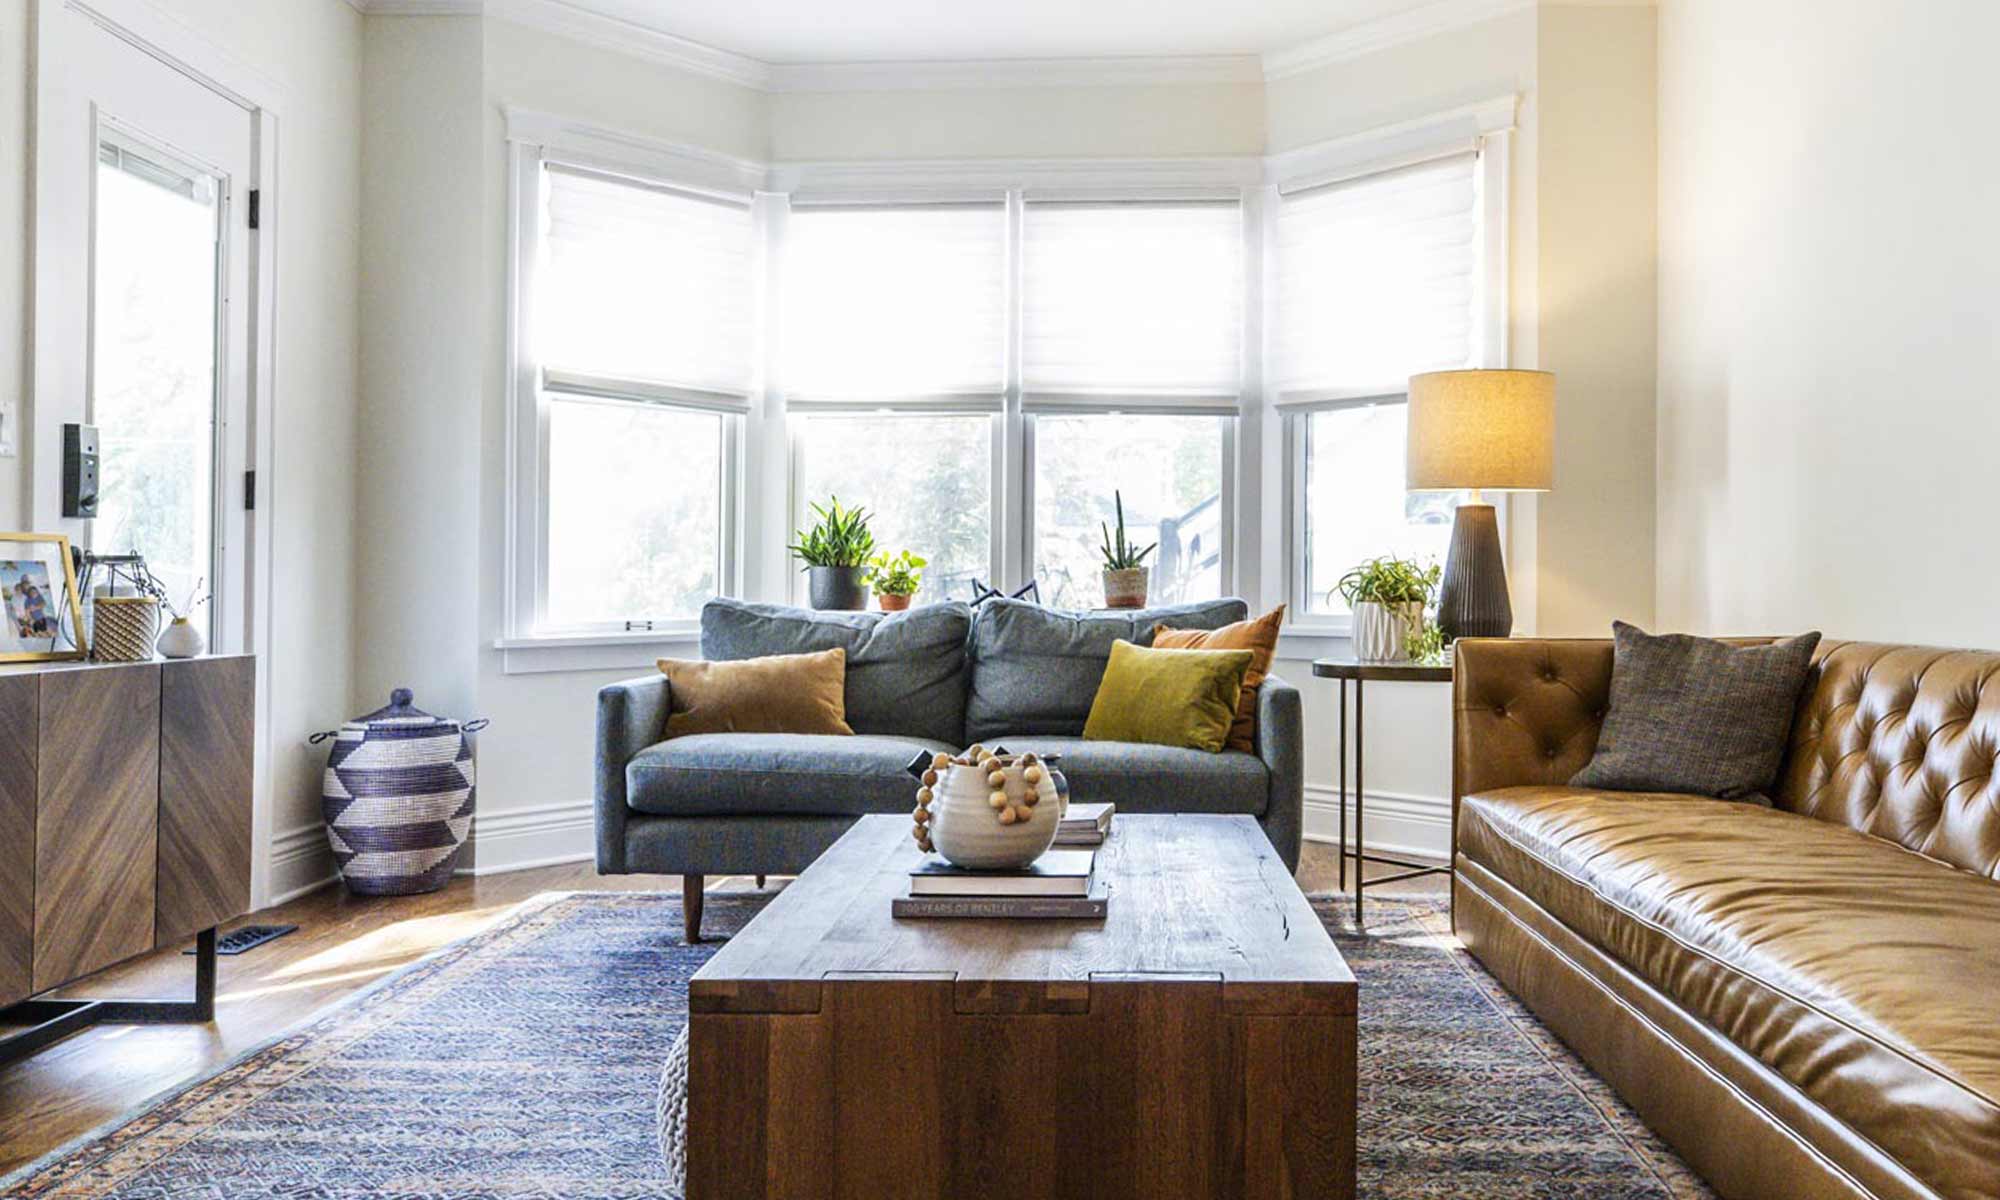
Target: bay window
982,359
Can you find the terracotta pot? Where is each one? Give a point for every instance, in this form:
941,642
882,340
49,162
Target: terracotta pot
1382,631
891,602
1127,588
966,828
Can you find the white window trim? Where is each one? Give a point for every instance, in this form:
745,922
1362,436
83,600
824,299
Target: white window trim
1259,472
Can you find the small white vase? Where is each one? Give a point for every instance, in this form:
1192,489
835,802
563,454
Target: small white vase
1382,631
966,828
180,639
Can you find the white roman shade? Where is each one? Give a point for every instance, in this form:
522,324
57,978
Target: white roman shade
1132,304
645,283
1377,279
896,302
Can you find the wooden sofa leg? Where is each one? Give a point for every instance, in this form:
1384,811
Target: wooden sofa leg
691,908
760,883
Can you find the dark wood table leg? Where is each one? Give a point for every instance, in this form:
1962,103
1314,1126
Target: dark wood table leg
1360,798
691,907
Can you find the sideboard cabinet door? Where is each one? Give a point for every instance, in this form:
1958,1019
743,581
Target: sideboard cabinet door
97,822
207,727
19,697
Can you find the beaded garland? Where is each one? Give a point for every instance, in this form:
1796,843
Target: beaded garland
998,767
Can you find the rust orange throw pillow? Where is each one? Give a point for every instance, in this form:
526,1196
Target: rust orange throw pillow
780,693
1259,636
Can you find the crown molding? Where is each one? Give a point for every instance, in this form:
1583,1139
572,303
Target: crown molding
1016,73
569,19
1393,30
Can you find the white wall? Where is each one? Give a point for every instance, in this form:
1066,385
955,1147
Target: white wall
311,49
1828,343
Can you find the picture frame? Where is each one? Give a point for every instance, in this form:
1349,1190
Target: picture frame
41,620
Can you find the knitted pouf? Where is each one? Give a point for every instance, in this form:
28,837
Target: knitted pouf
672,1113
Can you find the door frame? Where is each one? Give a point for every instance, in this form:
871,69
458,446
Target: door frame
57,380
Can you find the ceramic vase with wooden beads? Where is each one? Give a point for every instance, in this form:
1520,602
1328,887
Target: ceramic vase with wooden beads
992,813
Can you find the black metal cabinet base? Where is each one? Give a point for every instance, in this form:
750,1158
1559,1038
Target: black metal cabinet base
49,1021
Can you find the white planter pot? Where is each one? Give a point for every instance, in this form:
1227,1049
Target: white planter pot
1382,631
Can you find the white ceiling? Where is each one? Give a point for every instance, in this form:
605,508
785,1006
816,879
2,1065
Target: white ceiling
848,31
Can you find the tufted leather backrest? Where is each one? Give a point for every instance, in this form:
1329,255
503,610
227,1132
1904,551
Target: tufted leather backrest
1902,742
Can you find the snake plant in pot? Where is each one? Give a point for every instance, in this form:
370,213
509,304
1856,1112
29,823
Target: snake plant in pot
835,552
1125,571
1388,596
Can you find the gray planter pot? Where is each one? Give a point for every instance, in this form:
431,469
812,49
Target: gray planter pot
842,589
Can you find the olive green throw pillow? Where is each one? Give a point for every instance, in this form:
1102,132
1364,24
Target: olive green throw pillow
1168,697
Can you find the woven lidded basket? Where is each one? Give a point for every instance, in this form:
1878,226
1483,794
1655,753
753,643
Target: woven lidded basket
398,798
124,628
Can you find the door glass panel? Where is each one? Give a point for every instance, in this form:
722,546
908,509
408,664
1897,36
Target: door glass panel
154,352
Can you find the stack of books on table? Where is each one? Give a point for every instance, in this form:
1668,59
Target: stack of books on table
1061,884
1085,825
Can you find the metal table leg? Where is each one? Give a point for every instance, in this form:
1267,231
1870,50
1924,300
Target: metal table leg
50,1021
1341,769
1360,798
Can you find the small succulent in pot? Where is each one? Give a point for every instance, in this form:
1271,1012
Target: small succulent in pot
1388,596
895,578
835,550
1125,572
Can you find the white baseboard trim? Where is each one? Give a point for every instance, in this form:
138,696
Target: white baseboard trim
300,863
521,839
1398,823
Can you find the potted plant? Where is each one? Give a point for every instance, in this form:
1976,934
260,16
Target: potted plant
1125,573
835,552
1388,596
895,578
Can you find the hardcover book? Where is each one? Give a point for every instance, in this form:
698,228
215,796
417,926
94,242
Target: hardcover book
1085,825
1057,873
1090,907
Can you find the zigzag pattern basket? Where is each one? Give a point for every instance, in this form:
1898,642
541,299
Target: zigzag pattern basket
398,798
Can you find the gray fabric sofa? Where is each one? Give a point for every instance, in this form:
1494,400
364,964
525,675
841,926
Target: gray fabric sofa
935,678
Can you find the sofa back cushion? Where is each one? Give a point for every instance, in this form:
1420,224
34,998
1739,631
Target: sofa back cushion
1902,742
906,672
1035,670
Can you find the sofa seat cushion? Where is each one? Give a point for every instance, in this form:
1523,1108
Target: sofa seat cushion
1154,779
775,774
1860,971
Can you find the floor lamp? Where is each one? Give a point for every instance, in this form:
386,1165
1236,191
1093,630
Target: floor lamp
1482,431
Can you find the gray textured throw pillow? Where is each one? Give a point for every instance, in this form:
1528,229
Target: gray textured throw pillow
1695,715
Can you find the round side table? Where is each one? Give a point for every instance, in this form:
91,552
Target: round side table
1343,671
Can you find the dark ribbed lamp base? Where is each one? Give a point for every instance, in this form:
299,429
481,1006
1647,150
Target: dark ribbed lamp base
1473,601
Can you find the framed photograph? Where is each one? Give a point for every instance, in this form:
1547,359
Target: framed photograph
41,615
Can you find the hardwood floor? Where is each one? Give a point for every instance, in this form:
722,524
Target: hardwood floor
343,944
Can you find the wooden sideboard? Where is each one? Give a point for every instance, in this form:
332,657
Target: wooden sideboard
125,793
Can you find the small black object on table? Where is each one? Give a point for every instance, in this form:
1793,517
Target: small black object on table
1342,670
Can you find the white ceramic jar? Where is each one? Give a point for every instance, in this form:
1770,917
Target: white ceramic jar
967,827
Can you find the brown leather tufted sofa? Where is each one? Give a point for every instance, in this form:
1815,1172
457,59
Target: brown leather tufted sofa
1804,999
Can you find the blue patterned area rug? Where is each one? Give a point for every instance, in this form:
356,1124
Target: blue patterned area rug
522,1063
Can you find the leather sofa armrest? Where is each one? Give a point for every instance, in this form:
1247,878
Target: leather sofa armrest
1525,711
630,717
1281,744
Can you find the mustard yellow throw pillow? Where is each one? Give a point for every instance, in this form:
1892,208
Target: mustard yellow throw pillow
1168,697
1260,637
781,693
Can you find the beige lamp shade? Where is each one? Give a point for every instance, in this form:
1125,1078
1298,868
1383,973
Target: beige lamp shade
1489,430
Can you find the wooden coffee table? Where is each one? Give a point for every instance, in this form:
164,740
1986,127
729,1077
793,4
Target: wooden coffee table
1199,1042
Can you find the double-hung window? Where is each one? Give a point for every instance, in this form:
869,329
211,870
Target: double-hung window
894,340
1376,279
1131,376
639,331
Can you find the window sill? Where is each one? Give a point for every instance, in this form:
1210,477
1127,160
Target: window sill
546,654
